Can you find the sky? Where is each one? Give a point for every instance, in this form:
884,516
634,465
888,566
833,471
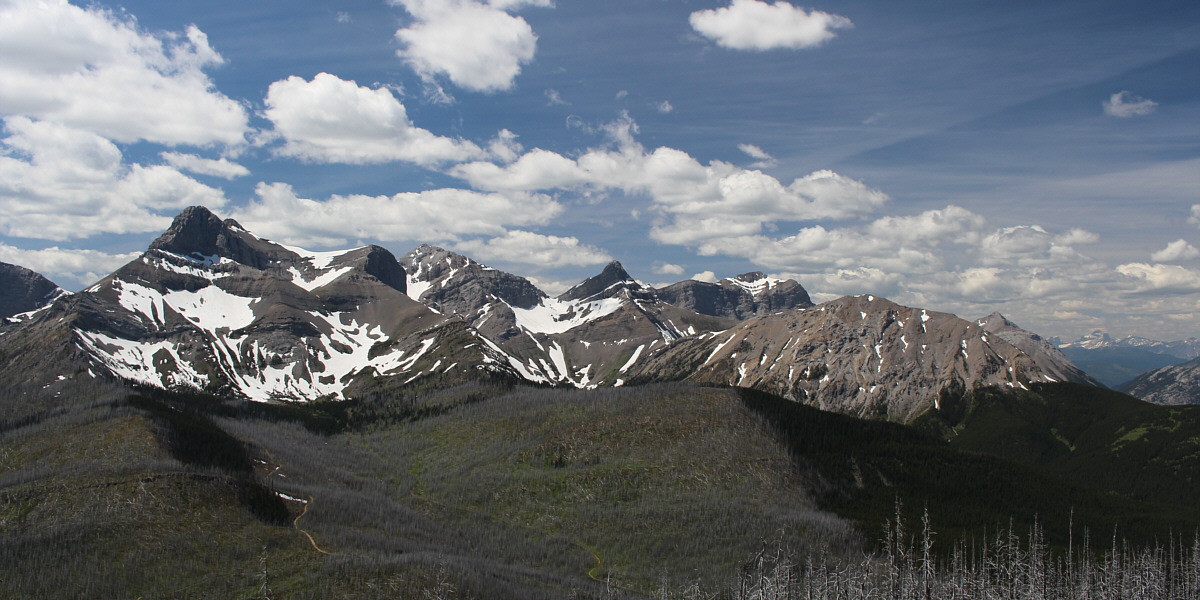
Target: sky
1040,159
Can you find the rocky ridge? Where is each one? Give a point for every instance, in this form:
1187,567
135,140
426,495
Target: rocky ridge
862,355
210,306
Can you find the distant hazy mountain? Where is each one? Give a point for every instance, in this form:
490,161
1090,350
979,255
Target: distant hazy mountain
1116,362
1099,340
23,290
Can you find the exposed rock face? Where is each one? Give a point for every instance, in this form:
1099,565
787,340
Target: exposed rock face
1047,356
1175,385
454,284
612,282
589,336
23,290
860,355
211,306
741,297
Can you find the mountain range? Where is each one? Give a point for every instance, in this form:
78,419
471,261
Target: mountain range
1152,370
212,307
172,431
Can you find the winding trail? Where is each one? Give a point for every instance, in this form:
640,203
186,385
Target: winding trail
296,526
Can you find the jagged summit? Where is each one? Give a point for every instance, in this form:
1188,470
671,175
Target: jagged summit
452,283
610,283
198,234
211,306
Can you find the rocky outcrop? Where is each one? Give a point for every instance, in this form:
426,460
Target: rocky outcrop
1047,356
454,284
23,290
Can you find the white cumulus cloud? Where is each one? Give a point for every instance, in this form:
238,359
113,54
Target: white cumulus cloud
478,46
1195,218
94,70
1176,251
199,165
1162,278
60,183
429,216
535,249
756,25
1125,104
73,269
331,120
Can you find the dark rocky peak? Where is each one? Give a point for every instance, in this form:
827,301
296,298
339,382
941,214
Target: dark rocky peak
23,290
741,297
378,262
613,281
198,234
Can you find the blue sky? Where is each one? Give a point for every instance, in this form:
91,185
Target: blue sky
1037,158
